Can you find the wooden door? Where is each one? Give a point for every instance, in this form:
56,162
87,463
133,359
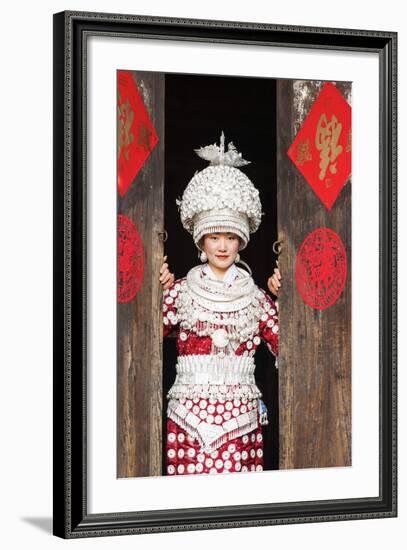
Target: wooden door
139,342
315,344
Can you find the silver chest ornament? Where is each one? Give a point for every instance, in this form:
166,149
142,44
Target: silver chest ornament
220,338
228,315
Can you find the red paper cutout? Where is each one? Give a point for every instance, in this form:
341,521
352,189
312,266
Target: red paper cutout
322,148
136,136
321,268
130,259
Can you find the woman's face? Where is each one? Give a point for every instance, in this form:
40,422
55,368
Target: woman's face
221,249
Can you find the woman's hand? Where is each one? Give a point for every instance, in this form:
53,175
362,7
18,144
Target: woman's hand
166,278
274,283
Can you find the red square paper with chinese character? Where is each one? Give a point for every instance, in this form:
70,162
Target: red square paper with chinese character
322,148
136,136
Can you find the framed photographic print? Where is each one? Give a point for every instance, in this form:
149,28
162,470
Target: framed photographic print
224,274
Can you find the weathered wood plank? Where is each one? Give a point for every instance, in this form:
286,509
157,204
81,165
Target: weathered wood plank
315,346
139,358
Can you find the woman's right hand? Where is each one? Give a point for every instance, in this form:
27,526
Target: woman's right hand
274,282
166,277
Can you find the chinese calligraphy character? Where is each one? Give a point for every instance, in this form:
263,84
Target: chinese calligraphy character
125,137
144,136
326,141
303,151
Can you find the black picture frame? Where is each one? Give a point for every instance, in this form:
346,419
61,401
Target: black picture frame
71,517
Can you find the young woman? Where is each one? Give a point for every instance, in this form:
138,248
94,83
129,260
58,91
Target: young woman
215,411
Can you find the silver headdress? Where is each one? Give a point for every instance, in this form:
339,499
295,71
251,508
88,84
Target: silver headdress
221,197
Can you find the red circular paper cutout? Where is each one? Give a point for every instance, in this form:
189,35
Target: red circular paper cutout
130,259
321,268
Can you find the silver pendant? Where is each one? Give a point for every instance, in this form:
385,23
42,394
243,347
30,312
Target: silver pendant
220,338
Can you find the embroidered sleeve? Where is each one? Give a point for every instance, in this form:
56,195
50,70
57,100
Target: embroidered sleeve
268,325
170,318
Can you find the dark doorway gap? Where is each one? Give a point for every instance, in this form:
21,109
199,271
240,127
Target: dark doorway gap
197,109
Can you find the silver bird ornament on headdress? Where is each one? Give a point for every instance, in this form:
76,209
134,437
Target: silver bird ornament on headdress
216,154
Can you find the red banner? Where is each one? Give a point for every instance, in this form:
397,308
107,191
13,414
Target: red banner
322,148
136,136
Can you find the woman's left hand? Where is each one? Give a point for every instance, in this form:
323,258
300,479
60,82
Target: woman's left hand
274,283
166,277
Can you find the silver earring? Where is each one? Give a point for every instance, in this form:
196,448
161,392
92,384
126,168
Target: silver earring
237,259
203,257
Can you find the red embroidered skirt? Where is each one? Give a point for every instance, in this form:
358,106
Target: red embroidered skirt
184,455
